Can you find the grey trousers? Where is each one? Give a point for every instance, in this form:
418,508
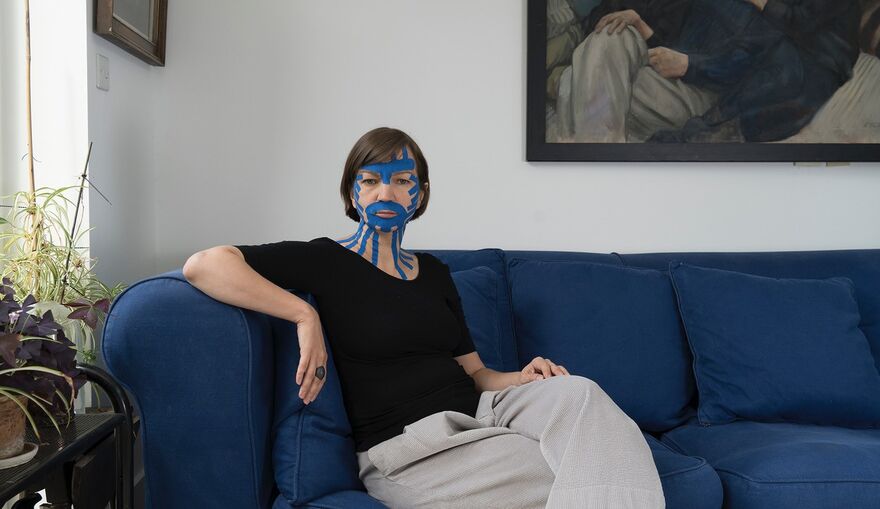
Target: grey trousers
555,443
611,95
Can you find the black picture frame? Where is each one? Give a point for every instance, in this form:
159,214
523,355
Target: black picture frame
537,149
113,27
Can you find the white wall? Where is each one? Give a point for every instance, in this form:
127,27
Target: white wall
123,125
68,112
260,102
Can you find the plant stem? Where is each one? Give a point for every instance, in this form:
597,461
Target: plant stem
82,181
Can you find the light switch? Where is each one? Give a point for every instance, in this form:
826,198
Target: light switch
103,70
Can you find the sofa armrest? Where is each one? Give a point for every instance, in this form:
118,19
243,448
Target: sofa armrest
202,374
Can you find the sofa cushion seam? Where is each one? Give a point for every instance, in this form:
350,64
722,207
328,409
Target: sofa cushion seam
817,481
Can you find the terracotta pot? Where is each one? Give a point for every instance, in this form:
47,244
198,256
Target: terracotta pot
12,422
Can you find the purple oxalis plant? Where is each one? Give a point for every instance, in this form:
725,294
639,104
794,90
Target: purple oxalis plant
28,340
88,311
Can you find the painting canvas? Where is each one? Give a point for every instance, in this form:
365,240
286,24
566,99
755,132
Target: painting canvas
711,80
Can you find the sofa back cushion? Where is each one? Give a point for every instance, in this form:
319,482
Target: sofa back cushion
493,259
861,266
313,451
773,349
615,325
480,291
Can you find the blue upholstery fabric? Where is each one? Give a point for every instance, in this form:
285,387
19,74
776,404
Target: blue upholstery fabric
309,440
480,290
784,465
339,500
202,373
769,349
458,260
564,256
861,266
551,256
615,325
207,426
688,482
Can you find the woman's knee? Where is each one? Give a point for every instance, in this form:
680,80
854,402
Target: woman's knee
574,384
602,45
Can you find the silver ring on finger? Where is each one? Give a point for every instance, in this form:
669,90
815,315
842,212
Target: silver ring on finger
320,372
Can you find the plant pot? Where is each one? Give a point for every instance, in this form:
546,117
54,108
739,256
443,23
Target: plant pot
12,422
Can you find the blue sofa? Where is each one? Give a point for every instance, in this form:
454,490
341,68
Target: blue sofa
222,426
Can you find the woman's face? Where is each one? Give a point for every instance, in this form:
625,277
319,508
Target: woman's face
386,195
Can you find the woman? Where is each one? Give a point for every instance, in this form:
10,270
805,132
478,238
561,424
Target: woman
432,426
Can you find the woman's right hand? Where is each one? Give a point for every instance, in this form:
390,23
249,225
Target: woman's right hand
618,21
312,354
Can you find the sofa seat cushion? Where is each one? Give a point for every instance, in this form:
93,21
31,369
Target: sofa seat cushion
688,482
787,465
349,499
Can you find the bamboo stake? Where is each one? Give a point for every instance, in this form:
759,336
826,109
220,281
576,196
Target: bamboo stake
30,133
36,219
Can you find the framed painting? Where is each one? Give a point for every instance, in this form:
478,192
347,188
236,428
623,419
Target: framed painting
137,26
703,80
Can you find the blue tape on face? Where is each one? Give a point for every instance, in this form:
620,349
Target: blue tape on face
403,213
369,224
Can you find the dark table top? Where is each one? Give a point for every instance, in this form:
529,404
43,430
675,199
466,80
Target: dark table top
84,431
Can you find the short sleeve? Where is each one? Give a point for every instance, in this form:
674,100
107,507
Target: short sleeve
290,264
465,343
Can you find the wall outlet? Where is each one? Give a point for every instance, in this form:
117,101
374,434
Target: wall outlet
103,72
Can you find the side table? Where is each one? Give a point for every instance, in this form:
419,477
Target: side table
89,464
85,435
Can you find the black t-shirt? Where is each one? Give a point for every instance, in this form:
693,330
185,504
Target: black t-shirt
393,340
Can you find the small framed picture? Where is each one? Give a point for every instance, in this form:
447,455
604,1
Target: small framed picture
137,26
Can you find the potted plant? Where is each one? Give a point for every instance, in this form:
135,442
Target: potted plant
41,256
37,367
40,247
40,253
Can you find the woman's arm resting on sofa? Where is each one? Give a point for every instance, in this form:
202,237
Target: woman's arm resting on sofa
222,273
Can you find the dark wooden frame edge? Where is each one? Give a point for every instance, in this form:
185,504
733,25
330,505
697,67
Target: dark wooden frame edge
112,30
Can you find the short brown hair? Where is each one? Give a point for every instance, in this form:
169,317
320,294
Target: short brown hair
378,146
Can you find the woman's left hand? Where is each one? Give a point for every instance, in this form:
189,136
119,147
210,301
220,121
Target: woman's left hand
539,369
